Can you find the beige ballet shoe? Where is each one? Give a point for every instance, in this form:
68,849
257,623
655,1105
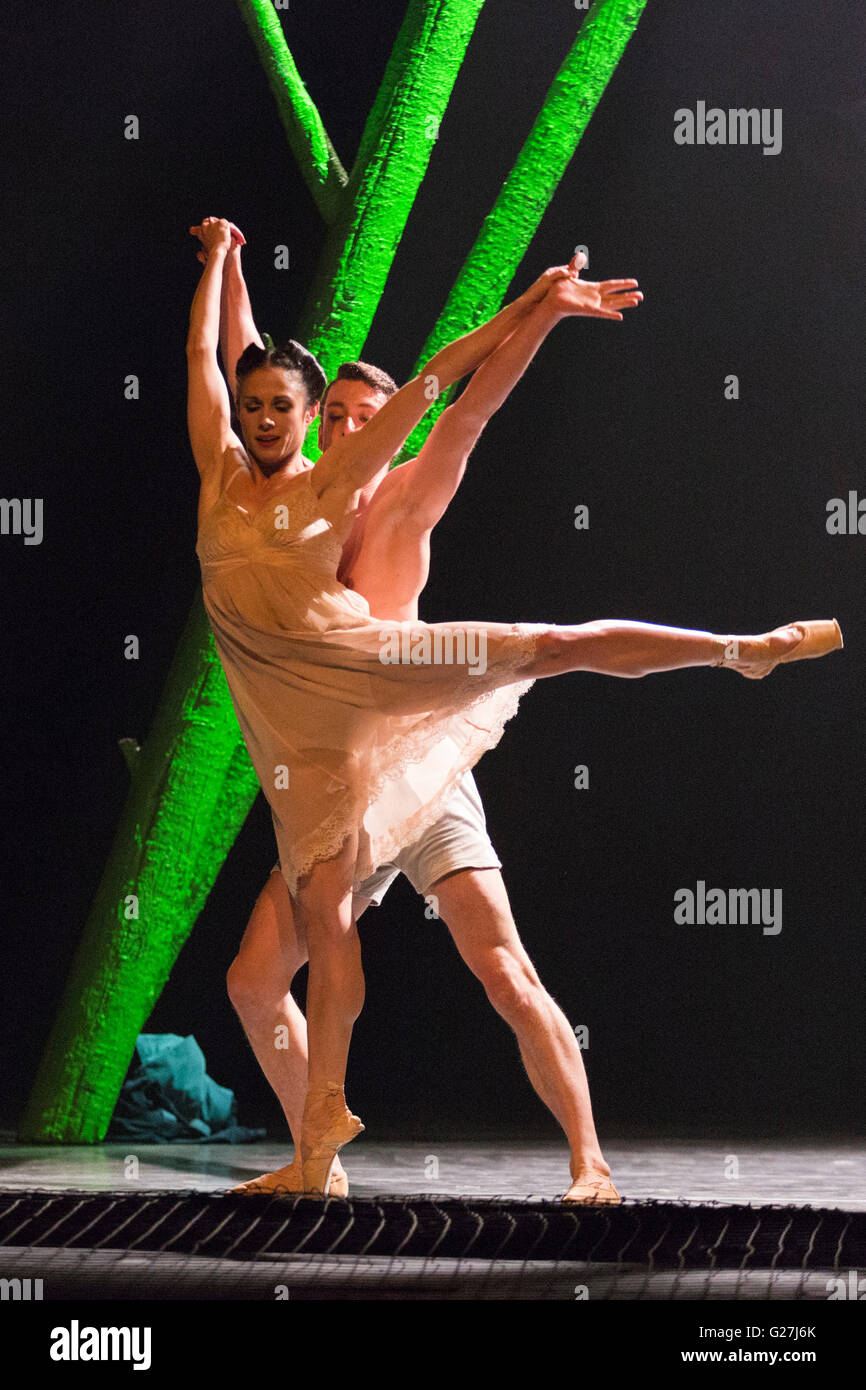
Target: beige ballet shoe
589,1191
289,1179
820,637
327,1125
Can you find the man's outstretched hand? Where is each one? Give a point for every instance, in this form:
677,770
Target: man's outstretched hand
603,299
548,278
236,235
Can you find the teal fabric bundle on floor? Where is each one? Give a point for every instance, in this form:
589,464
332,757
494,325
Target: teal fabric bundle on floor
168,1095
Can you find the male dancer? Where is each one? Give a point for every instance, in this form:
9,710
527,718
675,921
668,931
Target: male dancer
386,559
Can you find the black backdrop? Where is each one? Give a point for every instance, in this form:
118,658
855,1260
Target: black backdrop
703,512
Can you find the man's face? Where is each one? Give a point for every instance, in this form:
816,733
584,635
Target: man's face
350,404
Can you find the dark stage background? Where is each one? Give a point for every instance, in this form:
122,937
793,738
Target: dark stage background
703,513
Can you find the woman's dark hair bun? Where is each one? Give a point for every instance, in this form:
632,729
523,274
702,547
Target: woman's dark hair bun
292,356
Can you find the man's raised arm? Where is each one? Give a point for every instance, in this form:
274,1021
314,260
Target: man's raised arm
429,482
351,462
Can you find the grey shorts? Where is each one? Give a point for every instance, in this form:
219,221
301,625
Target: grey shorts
457,840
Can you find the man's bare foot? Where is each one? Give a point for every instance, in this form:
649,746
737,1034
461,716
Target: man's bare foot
289,1179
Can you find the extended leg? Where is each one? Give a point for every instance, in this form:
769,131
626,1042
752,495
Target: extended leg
618,647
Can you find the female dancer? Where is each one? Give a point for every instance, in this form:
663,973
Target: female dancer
359,730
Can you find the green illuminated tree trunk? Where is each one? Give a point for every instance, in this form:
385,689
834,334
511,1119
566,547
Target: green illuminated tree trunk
192,784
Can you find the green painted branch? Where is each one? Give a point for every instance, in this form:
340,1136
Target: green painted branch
180,790
130,750
513,220
392,159
324,174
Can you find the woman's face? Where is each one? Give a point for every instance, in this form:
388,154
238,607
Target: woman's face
274,413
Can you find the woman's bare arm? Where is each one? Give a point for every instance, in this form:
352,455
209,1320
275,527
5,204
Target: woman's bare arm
208,405
237,325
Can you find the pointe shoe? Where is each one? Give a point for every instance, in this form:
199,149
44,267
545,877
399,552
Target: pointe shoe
591,1191
820,637
327,1125
289,1179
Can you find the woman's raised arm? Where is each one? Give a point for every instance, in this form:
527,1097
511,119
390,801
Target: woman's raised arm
237,326
208,405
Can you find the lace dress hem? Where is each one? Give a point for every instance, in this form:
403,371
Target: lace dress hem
404,751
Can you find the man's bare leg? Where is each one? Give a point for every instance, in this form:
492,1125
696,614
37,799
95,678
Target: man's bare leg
259,980
474,905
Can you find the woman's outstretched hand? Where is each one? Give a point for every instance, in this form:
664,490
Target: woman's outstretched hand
208,237
604,299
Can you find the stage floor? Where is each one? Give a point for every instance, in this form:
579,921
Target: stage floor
808,1172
